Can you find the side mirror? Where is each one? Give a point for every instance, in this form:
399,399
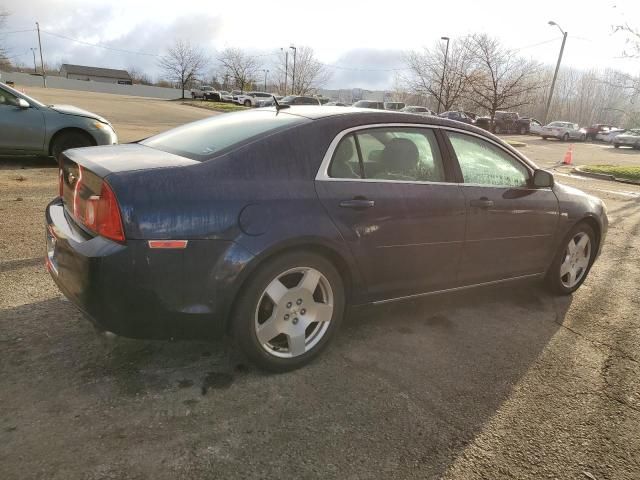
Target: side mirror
22,103
542,179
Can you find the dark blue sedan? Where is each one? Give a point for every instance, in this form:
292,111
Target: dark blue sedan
265,224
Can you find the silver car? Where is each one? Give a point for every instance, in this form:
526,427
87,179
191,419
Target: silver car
564,131
535,127
28,127
630,138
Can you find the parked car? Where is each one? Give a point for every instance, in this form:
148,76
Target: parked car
564,131
200,91
29,127
369,104
394,105
505,122
471,115
610,136
213,96
598,128
251,99
265,224
336,104
535,127
225,96
457,116
418,110
299,100
630,138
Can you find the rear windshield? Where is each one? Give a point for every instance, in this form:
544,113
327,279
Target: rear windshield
207,138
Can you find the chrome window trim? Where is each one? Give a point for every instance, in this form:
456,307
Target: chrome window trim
323,171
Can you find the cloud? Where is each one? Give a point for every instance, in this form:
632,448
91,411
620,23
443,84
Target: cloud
366,68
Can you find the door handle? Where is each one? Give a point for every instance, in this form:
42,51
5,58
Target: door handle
357,203
483,202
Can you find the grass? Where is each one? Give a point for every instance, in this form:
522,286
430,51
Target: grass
626,173
217,106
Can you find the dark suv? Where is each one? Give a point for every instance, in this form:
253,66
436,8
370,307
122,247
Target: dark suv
505,122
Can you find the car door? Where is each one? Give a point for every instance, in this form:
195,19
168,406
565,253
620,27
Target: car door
391,194
510,224
22,129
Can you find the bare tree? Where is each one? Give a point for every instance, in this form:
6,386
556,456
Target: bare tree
182,63
139,77
426,68
241,67
499,79
309,74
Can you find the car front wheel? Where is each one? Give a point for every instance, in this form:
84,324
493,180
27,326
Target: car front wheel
573,261
289,310
69,139
247,103
565,137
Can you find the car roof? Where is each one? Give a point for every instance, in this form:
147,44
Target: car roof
367,115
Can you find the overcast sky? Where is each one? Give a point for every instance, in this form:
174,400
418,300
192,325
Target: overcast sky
362,41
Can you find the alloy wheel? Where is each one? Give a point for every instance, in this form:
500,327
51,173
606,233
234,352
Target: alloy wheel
576,260
294,312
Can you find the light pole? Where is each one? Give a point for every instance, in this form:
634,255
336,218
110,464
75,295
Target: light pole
286,69
293,75
35,67
555,74
265,79
444,68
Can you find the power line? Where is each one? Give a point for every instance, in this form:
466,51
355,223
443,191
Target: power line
98,45
18,31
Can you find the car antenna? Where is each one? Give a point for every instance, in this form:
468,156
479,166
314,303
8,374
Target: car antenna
278,106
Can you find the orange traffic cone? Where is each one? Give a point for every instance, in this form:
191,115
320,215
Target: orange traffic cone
568,157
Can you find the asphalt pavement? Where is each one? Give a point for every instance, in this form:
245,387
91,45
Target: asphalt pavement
505,382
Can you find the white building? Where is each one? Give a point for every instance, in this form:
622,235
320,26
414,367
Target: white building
95,74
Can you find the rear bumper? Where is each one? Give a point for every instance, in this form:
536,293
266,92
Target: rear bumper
134,291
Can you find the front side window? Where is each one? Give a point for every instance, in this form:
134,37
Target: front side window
483,163
401,154
7,98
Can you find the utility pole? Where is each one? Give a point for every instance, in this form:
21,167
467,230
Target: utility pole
444,68
555,74
35,67
286,69
293,75
44,75
265,79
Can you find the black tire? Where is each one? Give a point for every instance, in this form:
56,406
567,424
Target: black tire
193,95
523,130
553,278
247,103
615,145
544,138
565,137
243,319
71,139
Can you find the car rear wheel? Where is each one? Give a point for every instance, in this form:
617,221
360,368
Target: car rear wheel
565,137
247,103
523,130
288,312
67,140
615,145
544,138
573,261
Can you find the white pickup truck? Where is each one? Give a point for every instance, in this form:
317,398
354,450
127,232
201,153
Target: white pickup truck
201,91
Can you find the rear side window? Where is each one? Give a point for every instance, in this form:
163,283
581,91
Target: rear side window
483,163
401,154
207,138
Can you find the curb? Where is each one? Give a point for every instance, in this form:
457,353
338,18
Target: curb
603,176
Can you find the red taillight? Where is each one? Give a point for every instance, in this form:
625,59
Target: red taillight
100,213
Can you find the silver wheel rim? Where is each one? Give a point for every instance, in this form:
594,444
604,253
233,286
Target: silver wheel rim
576,260
294,312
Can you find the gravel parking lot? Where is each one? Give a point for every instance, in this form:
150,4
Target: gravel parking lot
501,382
